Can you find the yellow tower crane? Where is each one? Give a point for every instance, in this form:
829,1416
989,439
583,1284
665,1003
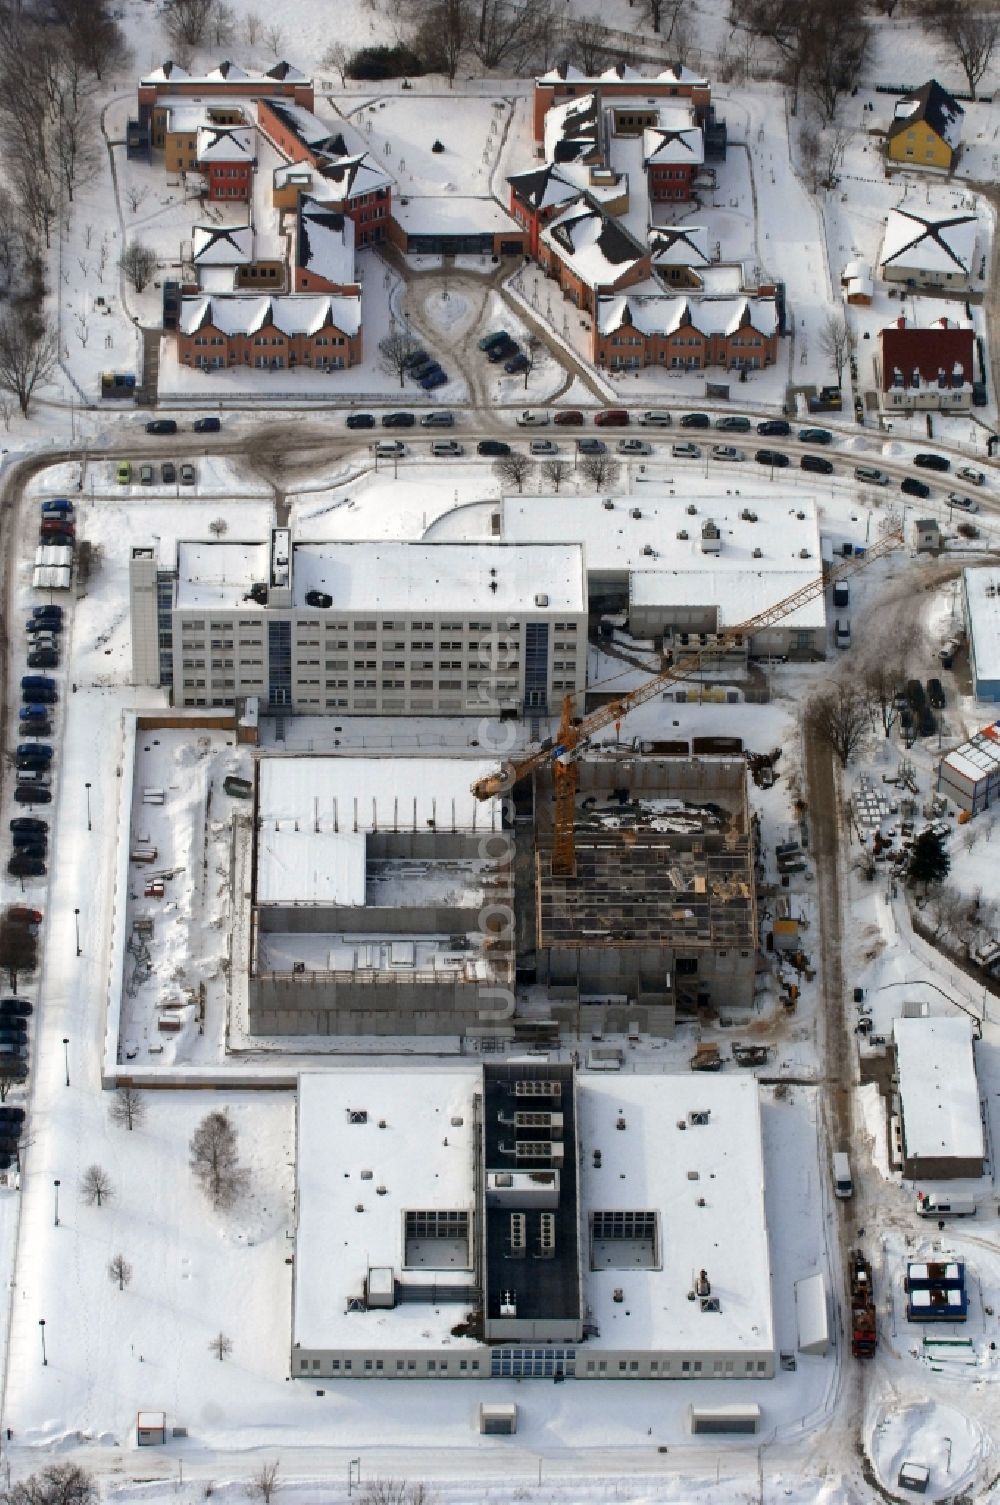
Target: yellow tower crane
573,734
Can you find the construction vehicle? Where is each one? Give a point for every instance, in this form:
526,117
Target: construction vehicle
706,1057
574,733
864,1337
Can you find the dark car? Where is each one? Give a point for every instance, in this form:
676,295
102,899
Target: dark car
26,867
12,1030
935,694
434,379
774,428
771,457
815,436
696,421
360,420
926,721
56,527
318,598
503,352
611,418
9,1114
914,693
497,338
591,447
416,358
162,426
34,727
24,760
29,823
57,507
818,464
492,447
10,1006
398,420
568,418
37,684
168,472
43,658
517,364
23,914
424,367
48,611
207,425
35,625
32,794
14,1048
912,487
37,847
931,462
40,751
23,841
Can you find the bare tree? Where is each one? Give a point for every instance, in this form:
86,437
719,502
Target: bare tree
513,469
394,350
971,30
215,1159
120,1270
512,34
223,24
18,949
838,716
442,36
882,684
252,24
186,21
96,1186
836,340
218,526
335,56
588,43
138,263
395,1492
221,1346
600,470
537,352
135,195
263,1484
274,37
822,44
555,472
128,1108
58,1484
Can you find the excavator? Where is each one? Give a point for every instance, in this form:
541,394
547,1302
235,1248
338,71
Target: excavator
575,732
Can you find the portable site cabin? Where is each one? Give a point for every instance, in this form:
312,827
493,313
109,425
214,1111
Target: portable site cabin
725,1418
812,1313
150,1428
498,1418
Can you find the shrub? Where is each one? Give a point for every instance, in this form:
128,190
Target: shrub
383,62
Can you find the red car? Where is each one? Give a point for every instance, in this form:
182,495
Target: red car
568,416
21,915
611,418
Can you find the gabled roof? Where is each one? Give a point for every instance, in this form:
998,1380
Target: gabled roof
942,353
225,72
595,248
652,314
324,242
938,110
928,242
544,187
296,313
572,130
679,245
285,73
661,144
222,245
674,73
225,143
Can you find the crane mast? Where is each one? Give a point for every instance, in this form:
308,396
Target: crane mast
562,751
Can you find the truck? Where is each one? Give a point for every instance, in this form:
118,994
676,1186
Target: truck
864,1336
241,789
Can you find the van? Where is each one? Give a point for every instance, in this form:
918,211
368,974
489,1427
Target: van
843,1186
963,503
443,448
611,418
655,418
843,633
389,449
841,593
36,682
948,1206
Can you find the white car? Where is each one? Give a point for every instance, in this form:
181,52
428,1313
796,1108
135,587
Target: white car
685,451
974,477
964,503
656,418
871,475
389,449
634,447
727,452
532,418
544,447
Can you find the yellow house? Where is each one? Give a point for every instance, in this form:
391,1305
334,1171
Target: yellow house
926,130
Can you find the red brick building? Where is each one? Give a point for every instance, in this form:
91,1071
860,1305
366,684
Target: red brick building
620,82
227,81
226,159
590,255
672,157
353,183
270,334
536,197
685,333
926,368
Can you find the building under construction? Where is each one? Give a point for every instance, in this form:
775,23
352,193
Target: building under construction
660,916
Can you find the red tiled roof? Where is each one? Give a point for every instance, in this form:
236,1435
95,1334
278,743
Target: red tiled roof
927,351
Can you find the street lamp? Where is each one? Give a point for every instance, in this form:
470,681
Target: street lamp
56,1185
66,1054
87,787
353,1474
41,1329
76,916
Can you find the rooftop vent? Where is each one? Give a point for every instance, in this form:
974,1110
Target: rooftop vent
380,1191
758,553
701,1116
366,1175
619,1294
683,535
636,513
357,1115
359,1207
703,1285
803,553
692,510
648,550
541,599
621,1124
597,1160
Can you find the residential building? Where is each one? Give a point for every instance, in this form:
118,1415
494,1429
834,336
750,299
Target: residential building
225,157
925,368
520,1220
352,181
634,330
363,628
176,128
942,1120
678,254
270,334
323,259
981,609
926,129
929,250
228,84
590,255
619,82
226,259
673,150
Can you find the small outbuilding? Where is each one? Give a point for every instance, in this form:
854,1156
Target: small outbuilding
150,1429
927,535
745,1418
812,1314
498,1419
939,1098
914,1477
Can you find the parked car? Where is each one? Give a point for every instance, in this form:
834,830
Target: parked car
655,418
29,823
418,357
187,475
43,626
591,447
870,475
9,1113
544,447
34,842
517,364
318,598
123,475
533,418
935,694
421,368
815,436
817,463
23,914
727,452
775,428
773,457
615,418
685,452
168,473
389,449
57,506
33,713
43,658
12,1033
36,775
441,418
39,683
30,794
210,425
731,424
360,420
914,694
497,337
35,727
568,418
434,379
161,426
15,1071
22,866
55,612
973,476
498,353
696,421
59,534
931,462
912,487
634,447
926,721
28,756
447,449
398,420
963,503
145,476
492,447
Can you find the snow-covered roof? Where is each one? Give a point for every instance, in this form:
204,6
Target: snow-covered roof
741,592
452,214
679,245
314,813
349,172
218,574
938,1090
461,578
676,73
663,144
667,313
595,248
308,127
929,242
225,143
977,759
572,130
222,245
547,187
982,599
223,73
325,242
353,176
304,313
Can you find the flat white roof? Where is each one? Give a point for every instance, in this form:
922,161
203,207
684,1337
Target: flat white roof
979,757
443,577
422,1159
219,574
982,595
938,1088
452,214
647,1166
314,812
